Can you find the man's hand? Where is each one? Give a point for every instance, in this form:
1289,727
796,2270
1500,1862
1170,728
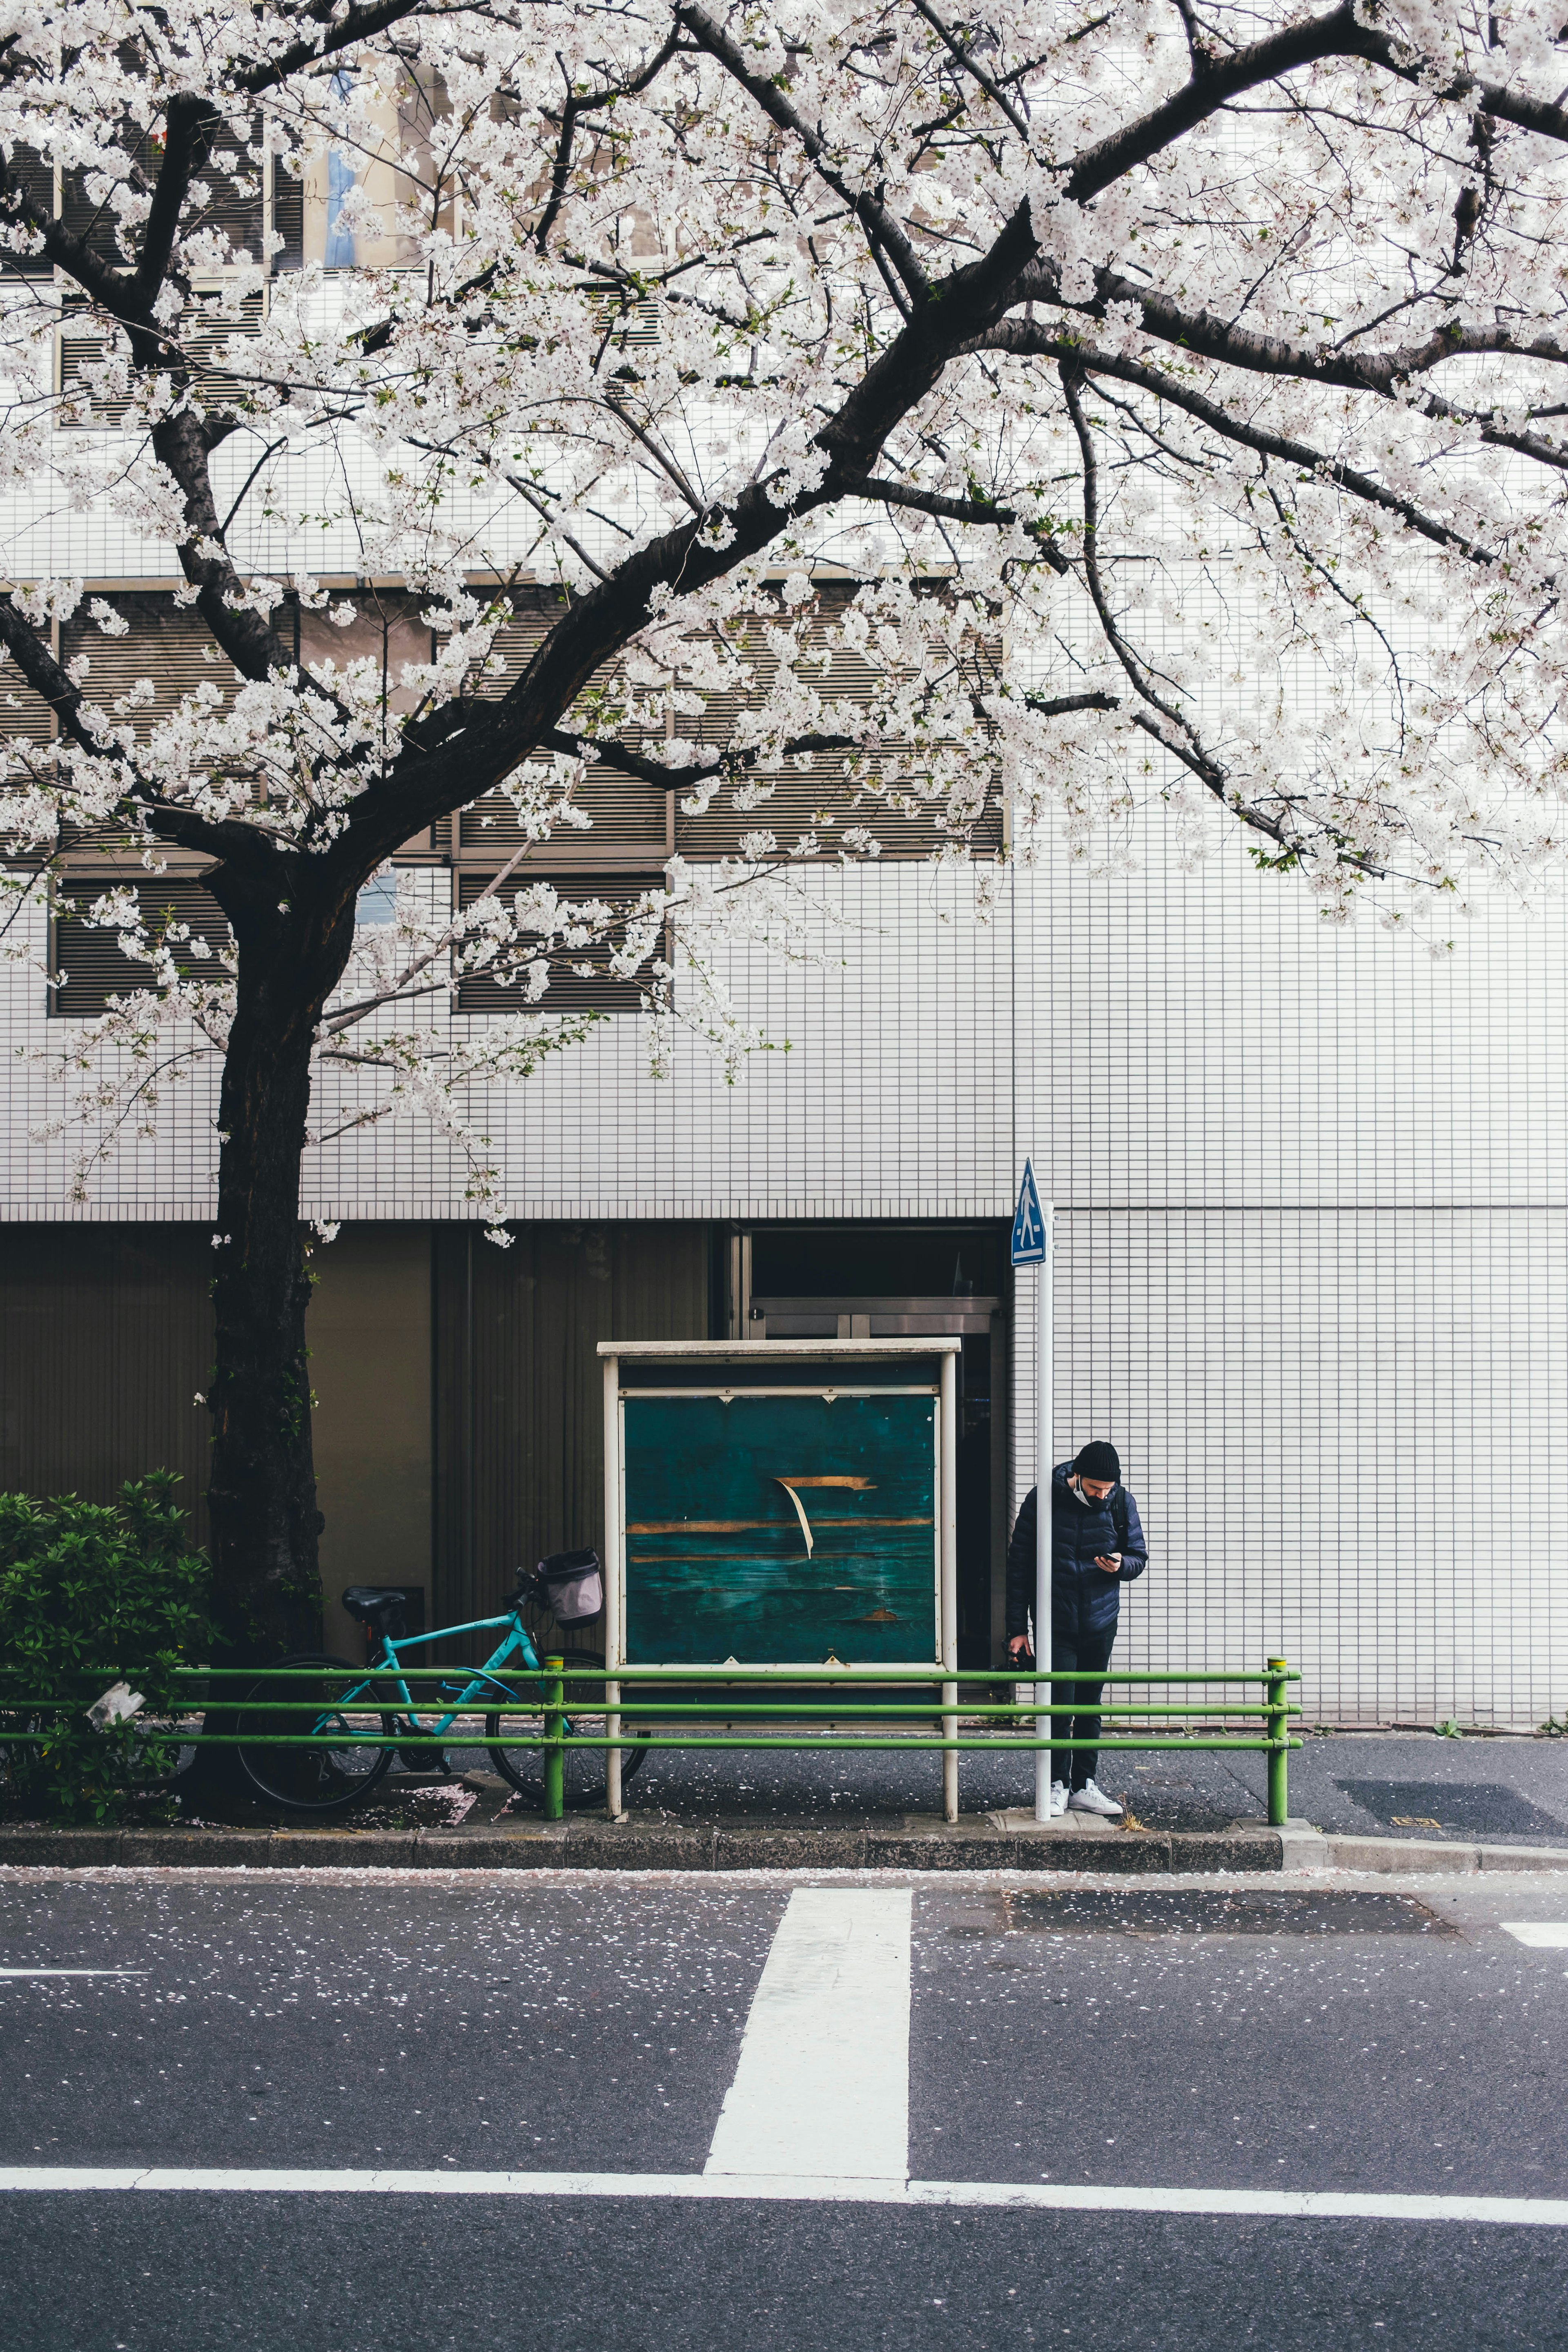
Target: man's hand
1110,1561
1017,1645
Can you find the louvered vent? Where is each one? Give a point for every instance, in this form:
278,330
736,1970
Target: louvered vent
239,211
288,217
92,959
792,809
625,324
204,336
569,989
22,712
163,643
630,819
32,182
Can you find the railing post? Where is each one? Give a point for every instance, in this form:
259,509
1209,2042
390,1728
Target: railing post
554,1742
948,1491
1277,1717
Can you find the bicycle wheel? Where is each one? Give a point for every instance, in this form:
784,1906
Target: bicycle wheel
165,1754
315,1780
523,1717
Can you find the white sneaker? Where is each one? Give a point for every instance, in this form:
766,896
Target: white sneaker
1093,1799
1058,1799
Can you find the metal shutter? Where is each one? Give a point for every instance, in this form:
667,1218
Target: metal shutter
288,217
240,215
95,966
22,712
206,339
163,643
798,794
31,176
568,990
630,819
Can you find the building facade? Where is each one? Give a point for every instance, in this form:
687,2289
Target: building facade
1312,1268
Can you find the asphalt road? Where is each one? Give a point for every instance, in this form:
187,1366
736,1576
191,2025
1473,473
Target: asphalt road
1352,2038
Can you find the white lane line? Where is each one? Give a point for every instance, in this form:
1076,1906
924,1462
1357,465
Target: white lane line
75,1972
1018,2196
1543,1935
822,2089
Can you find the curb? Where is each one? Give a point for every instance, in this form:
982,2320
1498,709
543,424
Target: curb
1307,1848
607,1845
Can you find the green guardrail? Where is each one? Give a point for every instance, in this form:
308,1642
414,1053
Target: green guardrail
629,1703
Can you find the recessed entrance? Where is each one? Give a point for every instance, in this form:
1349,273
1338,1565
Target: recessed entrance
905,1282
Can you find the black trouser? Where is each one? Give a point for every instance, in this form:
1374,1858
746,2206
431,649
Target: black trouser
1075,1646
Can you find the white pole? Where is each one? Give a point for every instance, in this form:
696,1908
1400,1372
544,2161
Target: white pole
1045,1417
948,1488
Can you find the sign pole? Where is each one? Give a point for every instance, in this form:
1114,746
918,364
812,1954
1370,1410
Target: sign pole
1045,1419
1034,1243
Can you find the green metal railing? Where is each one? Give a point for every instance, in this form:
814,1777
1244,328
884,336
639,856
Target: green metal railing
634,1710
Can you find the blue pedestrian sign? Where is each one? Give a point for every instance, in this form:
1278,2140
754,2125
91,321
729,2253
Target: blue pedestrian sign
1028,1224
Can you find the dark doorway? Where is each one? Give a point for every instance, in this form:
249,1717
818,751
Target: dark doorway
854,1281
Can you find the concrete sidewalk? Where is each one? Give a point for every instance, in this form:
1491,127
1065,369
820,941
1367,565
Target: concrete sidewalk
1496,1790
1367,1800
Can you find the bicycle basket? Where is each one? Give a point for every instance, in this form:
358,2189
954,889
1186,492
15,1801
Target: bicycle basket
573,1586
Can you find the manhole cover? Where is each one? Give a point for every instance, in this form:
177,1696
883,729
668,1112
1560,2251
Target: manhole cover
1194,1911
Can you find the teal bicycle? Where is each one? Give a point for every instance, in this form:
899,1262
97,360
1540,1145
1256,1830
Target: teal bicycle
498,1705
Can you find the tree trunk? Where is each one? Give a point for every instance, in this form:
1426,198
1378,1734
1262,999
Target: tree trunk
262,1496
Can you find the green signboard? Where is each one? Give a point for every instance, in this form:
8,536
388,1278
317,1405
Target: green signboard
780,1529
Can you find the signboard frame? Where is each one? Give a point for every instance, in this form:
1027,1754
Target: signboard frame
807,1359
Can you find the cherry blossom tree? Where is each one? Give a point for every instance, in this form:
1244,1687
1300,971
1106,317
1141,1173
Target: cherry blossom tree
1170,388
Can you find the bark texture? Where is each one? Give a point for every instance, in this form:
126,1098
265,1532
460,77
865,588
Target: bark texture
262,1496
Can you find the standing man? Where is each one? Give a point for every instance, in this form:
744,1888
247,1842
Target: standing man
1097,1545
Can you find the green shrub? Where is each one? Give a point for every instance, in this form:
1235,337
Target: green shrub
91,1593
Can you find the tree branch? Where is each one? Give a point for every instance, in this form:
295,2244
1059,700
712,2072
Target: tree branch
971,510
48,681
966,64
881,227
1069,354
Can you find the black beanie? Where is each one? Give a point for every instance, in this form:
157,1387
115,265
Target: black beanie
1100,1460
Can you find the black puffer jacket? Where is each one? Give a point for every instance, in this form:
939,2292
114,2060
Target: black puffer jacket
1084,1599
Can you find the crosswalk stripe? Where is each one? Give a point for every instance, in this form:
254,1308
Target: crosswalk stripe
821,2086
1017,2196
1540,1935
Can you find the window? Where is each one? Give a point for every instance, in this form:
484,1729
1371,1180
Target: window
95,965
799,795
632,821
397,162
570,990
205,334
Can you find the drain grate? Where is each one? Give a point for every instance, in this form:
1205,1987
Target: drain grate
1194,1911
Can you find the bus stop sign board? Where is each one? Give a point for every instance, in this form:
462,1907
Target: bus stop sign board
781,1526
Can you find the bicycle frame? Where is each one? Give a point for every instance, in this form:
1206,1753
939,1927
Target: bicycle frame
516,1644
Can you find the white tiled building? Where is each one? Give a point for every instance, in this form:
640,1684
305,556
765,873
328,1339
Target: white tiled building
1312,1193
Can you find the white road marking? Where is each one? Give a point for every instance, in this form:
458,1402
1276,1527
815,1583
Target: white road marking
1018,2196
1543,1935
822,2089
75,1972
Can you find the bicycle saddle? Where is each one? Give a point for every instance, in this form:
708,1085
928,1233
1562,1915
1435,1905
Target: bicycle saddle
376,1605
